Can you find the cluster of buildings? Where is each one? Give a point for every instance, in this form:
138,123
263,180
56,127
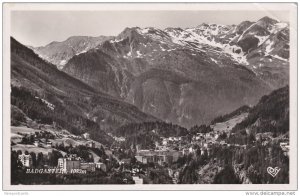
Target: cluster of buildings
170,143
202,142
72,162
212,137
42,143
158,156
165,141
68,163
171,148
264,138
48,144
117,139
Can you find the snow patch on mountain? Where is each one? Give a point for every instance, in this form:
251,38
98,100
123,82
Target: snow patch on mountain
246,31
63,62
191,38
139,55
144,31
278,26
83,51
261,39
116,40
269,47
214,60
280,58
162,49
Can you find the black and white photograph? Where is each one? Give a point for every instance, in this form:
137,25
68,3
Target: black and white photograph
139,95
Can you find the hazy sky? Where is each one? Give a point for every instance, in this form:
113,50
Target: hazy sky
38,28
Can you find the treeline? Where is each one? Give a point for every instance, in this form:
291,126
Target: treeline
226,117
256,160
241,137
17,116
200,129
33,107
158,176
191,164
63,115
226,176
233,165
272,113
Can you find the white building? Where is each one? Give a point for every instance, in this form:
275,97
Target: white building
202,151
120,139
36,143
191,150
70,162
137,180
26,160
86,136
216,136
49,144
170,138
101,166
283,144
165,142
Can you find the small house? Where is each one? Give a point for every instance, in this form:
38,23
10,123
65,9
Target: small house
86,136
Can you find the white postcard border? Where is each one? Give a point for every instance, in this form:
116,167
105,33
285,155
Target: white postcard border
291,7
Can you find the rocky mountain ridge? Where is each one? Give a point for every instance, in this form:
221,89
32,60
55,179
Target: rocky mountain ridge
59,53
188,76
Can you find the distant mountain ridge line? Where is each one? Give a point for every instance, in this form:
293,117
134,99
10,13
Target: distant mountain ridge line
171,73
61,63
186,77
162,29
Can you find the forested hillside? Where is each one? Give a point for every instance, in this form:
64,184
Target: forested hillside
47,95
271,114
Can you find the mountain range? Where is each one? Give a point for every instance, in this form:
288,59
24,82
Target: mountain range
184,76
46,95
59,53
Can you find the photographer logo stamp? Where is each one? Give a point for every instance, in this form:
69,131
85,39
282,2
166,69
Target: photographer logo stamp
273,171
